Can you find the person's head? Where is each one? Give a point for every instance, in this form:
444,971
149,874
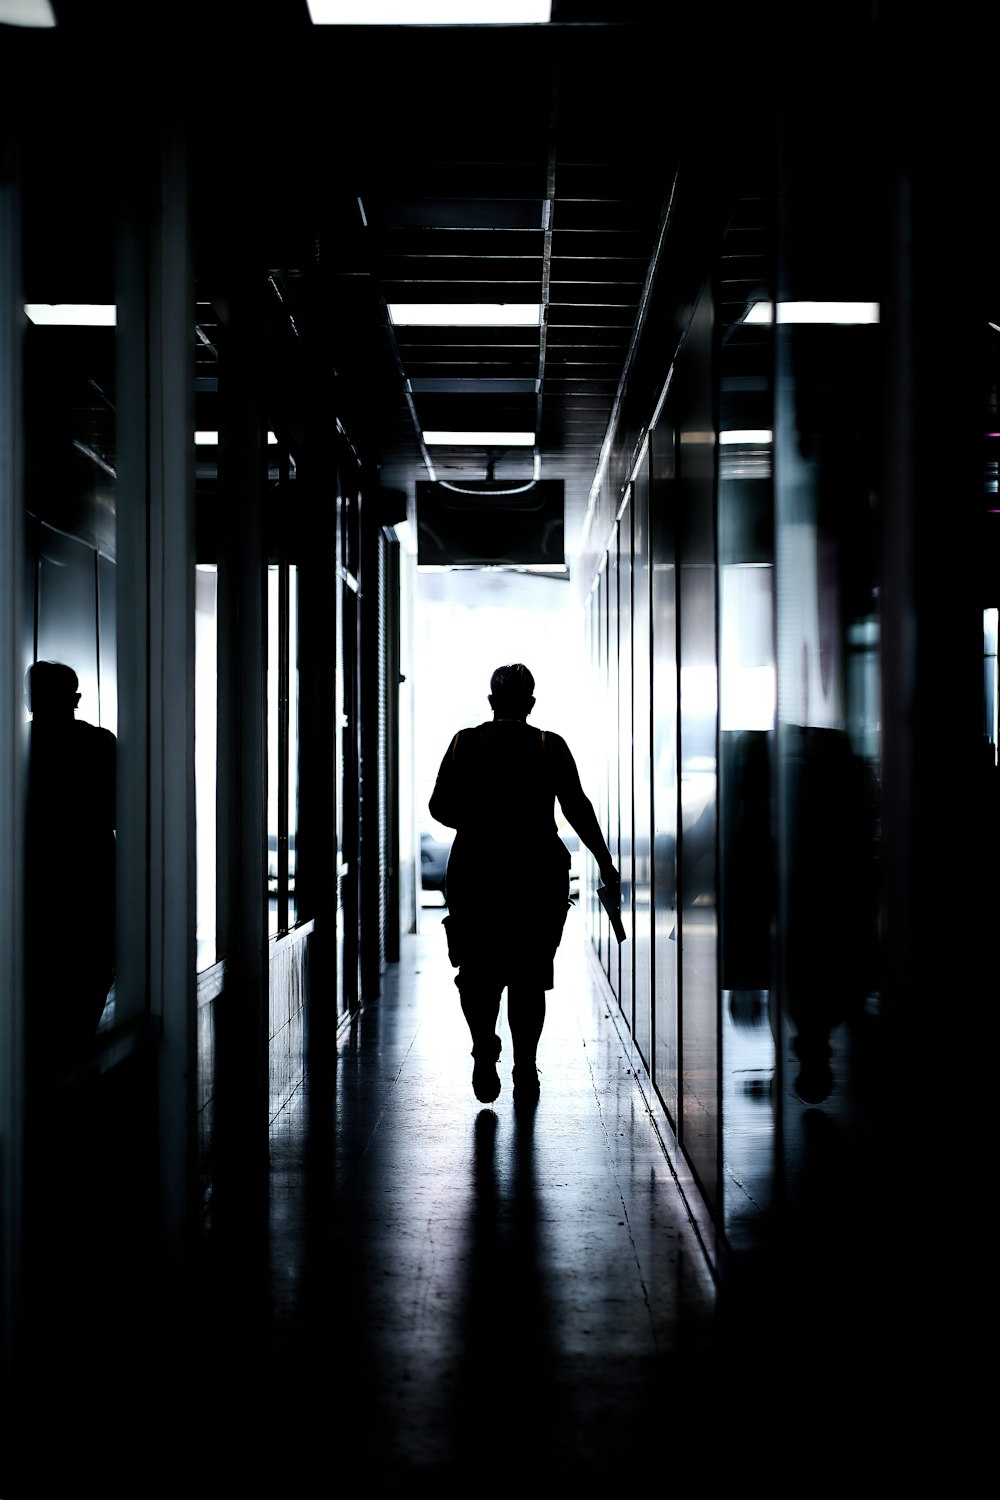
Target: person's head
51,690
512,691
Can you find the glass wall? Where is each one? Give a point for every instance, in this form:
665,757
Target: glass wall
282,743
747,695
206,724
622,955
641,766
614,740
697,749
828,426
69,647
663,611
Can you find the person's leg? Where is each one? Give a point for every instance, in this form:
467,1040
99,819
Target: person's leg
480,994
526,1017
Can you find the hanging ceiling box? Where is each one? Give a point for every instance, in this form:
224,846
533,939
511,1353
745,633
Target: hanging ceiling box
484,523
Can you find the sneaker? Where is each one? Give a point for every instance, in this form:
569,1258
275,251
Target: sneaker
485,1078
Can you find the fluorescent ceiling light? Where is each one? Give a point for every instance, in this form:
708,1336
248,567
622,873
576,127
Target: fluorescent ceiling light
28,13
758,436
429,12
814,312
72,314
480,439
467,314
207,439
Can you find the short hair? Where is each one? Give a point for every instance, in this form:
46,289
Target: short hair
512,684
51,685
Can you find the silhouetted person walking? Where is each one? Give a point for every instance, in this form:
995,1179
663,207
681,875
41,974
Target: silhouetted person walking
69,868
507,884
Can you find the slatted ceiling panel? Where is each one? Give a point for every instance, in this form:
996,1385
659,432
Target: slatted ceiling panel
743,262
420,164
418,272
459,215
510,353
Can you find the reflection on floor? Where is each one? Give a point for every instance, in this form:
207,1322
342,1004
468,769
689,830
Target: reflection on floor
493,1292
445,1292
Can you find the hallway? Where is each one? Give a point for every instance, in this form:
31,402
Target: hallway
495,1295
461,1294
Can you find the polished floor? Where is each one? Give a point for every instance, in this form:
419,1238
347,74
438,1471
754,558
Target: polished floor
497,1292
439,1293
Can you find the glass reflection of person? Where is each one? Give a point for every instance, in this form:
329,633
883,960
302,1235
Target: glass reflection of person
69,868
507,883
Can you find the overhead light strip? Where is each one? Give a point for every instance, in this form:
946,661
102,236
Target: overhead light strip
72,314
456,439
848,313
465,314
430,12
754,437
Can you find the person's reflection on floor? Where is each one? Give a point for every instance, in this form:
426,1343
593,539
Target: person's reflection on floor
69,869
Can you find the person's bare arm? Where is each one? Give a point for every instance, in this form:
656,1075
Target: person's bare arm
579,809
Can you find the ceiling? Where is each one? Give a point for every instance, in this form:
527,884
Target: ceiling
353,168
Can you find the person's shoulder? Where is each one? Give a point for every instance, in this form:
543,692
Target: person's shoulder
468,735
98,740
91,730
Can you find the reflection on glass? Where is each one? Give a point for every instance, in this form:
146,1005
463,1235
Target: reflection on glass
991,682
69,869
67,624
623,954
282,744
70,931
747,686
205,755
663,608
293,737
273,698
107,643
829,729
746,892
642,767
864,687
70,622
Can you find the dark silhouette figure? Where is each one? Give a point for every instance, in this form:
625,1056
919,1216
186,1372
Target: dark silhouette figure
831,916
69,869
508,872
